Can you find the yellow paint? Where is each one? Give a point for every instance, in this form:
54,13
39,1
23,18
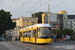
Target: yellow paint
61,12
21,39
32,40
44,40
43,15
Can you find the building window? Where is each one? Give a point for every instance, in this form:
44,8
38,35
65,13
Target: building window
74,28
68,20
71,17
65,21
69,24
74,24
23,19
73,20
31,22
27,21
65,24
31,19
23,22
24,25
65,18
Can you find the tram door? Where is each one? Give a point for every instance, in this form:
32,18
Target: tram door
21,36
34,35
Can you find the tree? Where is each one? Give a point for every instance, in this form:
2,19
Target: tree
5,21
64,31
39,15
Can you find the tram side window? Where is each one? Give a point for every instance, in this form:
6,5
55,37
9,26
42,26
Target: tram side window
29,33
21,34
24,34
34,33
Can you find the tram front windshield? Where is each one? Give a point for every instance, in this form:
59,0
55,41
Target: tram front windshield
45,32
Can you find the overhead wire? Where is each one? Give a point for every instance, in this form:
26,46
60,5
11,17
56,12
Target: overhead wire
32,7
52,7
59,4
40,5
21,7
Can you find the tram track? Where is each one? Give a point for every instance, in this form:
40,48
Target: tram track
33,46
22,46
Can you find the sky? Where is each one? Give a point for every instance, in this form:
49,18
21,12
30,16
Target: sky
24,8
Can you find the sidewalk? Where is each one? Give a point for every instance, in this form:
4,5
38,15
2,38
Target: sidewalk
70,42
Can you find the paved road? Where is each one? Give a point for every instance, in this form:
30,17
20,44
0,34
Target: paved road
17,45
2,47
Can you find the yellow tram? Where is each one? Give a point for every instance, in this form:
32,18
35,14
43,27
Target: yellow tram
39,33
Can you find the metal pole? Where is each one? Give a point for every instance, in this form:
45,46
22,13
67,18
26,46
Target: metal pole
48,13
34,19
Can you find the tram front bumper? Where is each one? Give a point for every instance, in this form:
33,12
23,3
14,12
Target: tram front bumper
43,40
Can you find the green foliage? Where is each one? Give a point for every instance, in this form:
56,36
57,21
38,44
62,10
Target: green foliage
64,31
39,15
5,21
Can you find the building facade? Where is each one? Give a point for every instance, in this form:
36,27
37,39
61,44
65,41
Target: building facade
62,18
53,20
71,22
14,32
28,21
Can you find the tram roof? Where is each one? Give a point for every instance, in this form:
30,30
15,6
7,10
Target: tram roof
37,25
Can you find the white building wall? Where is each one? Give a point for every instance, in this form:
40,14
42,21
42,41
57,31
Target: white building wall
73,24
53,17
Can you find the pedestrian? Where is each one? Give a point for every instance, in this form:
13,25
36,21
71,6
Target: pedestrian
62,37
68,37
65,37
54,38
16,38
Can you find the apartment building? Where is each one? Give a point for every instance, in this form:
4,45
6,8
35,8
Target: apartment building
63,19
71,22
27,21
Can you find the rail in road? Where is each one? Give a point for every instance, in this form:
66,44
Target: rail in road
33,46
29,46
